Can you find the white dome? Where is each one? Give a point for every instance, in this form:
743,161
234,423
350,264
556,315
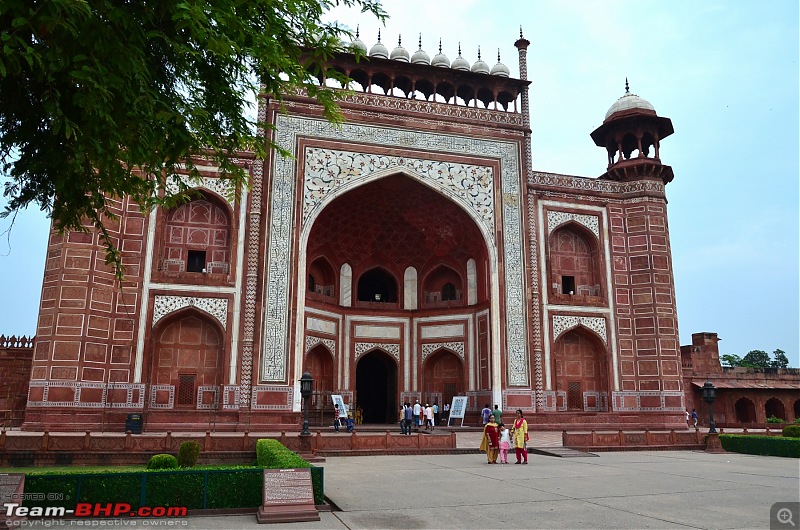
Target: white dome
358,43
480,67
379,50
500,69
420,57
399,53
459,63
629,101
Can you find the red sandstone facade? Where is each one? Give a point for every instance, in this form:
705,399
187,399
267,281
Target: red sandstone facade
412,253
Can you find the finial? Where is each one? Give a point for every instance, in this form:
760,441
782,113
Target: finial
479,53
498,55
520,32
440,45
420,41
627,89
399,40
379,34
356,30
459,49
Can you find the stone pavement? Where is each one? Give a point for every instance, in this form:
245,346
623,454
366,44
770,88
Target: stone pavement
637,489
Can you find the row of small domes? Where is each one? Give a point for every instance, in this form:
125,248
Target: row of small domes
420,57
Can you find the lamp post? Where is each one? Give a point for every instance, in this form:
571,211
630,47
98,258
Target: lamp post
306,383
709,396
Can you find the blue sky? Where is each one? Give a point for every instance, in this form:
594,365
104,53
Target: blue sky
726,73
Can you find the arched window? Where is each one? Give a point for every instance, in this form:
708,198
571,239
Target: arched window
377,285
197,238
448,292
574,263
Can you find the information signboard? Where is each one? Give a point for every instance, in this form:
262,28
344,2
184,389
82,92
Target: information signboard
337,400
458,409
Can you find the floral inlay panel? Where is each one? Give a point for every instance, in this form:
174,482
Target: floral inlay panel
562,323
556,219
216,307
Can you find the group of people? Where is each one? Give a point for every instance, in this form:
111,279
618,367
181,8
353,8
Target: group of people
691,419
498,440
340,420
419,416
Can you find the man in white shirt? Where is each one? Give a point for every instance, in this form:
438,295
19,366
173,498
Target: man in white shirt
417,410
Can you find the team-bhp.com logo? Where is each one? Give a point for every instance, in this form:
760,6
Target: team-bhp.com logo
88,509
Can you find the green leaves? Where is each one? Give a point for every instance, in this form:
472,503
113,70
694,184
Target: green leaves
99,100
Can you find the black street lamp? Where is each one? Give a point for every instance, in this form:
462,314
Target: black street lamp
709,396
306,384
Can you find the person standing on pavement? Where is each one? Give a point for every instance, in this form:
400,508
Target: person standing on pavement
498,415
505,443
687,419
520,437
485,413
694,417
428,417
435,413
491,441
417,413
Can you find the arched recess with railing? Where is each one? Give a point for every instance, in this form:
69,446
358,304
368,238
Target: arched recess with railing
581,370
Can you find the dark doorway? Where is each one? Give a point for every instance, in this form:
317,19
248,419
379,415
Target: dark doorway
376,387
745,411
377,285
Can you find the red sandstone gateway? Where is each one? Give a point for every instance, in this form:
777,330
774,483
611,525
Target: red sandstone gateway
411,254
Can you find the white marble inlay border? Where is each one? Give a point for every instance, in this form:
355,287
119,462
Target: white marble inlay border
562,323
216,307
313,341
278,258
556,219
221,186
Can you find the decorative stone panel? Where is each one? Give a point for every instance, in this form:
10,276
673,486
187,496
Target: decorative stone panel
328,343
154,389
562,323
363,347
221,186
429,348
556,219
216,307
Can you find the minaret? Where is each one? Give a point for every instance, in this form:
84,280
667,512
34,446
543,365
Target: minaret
522,46
630,129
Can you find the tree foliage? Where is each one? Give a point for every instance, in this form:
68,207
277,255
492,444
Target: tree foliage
757,359
103,99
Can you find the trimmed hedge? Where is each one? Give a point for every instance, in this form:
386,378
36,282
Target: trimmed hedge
761,445
188,453
162,461
219,488
792,431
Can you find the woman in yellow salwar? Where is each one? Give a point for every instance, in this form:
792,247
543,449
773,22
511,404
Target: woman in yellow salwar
490,442
519,434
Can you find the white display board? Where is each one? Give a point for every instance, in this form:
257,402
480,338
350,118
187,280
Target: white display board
458,409
337,400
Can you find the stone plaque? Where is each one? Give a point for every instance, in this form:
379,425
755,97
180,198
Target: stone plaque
288,496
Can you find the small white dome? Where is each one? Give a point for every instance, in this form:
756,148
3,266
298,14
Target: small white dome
459,63
358,43
440,59
400,53
420,57
629,101
379,50
500,69
480,67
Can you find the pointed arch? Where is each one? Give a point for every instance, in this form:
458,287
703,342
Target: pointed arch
581,369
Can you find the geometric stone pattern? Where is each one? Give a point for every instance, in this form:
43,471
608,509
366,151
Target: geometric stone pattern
281,225
429,348
562,323
216,307
587,184
313,341
555,219
221,186
288,392
326,170
363,347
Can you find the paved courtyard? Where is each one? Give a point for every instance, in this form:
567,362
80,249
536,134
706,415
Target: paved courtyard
656,489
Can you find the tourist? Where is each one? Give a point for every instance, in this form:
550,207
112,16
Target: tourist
520,436
498,415
687,419
336,417
435,413
417,413
505,442
694,417
490,441
428,417
402,419
408,416
485,413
